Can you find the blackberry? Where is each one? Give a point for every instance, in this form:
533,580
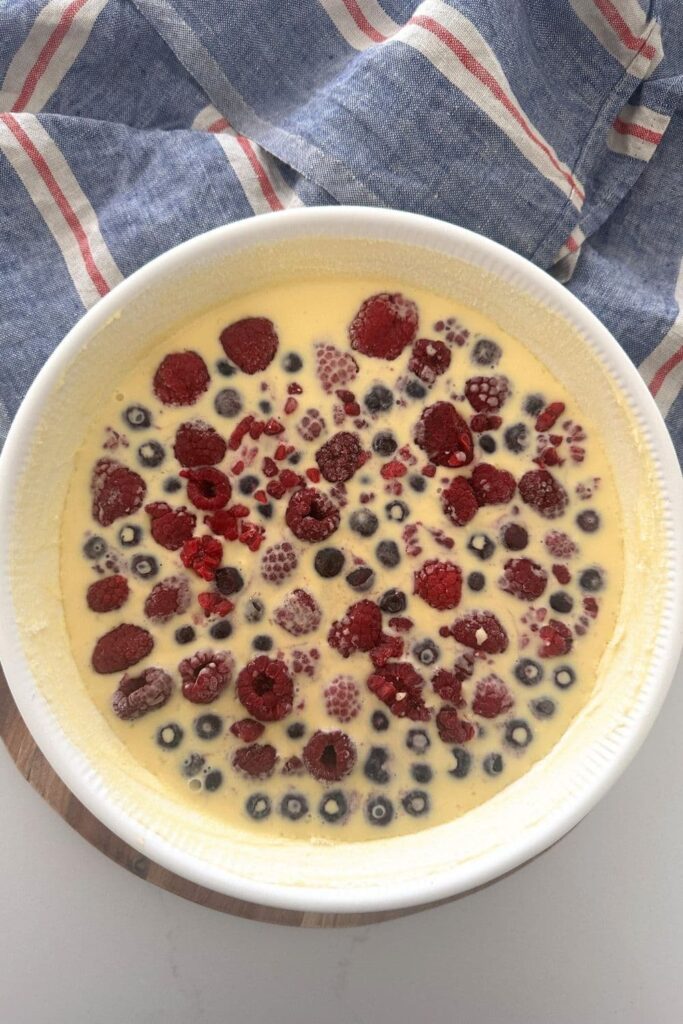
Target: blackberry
397,511
207,727
328,562
221,630
262,643
294,806
463,763
426,652
561,602
476,581
528,672
151,454
374,769
393,601
95,547
481,545
130,536
379,810
144,566
564,676
138,417
486,353
248,484
380,721
421,773
384,443
416,803
378,399
228,403
170,736
333,806
518,734
418,741
225,368
229,580
493,764
292,363
487,444
184,635
361,578
258,806
588,521
388,554
591,580
516,438
364,522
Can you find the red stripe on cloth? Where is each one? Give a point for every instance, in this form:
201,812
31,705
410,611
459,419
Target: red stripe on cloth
638,131
258,169
47,53
615,20
665,369
362,22
220,125
62,202
572,244
486,78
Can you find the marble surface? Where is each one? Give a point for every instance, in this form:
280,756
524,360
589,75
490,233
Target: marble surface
592,932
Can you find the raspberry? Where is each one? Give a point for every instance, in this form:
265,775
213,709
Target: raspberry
481,631
203,555
556,640
523,578
247,730
207,488
359,630
438,583
329,755
492,486
305,662
293,766
562,574
339,458
384,325
491,697
544,493
298,614
212,603
459,502
278,562
265,688
116,491
487,394
120,648
442,433
549,417
399,686
448,685
559,544
250,343
311,425
136,695
335,369
342,699
452,728
311,515
170,527
482,422
198,444
108,594
429,359
205,675
257,760
181,378
390,647
168,598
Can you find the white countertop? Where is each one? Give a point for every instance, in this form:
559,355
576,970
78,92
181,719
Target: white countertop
592,932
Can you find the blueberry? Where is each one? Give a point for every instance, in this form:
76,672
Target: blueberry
417,482
380,721
254,609
421,773
518,734
221,630
228,403
487,444
393,601
514,537
564,676
192,765
591,580
296,730
95,547
388,554
378,399
361,578
384,443
534,404
588,521
374,769
258,806
544,707
528,672
364,522
292,363
561,602
415,389
328,562
151,454
144,566
225,368
333,806
265,407
426,652
463,763
185,635
248,484
481,545
486,353
379,810
129,535
229,580
137,417
516,438
208,727
294,806
262,643
169,736
416,803
294,459
476,581
418,741
265,510
397,511
493,764
172,484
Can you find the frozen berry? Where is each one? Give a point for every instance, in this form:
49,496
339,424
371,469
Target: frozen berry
278,562
203,555
397,511
514,537
492,486
184,635
181,378
588,521
399,686
528,671
429,359
393,602
591,580
384,325
265,407
487,394
207,488
380,722
374,769
299,613
384,444
95,547
225,368
329,756
452,728
311,425
293,806
107,594
170,527
258,806
481,631
342,699
172,484
328,562
228,403
544,707
333,806
378,399
254,610
421,773
418,483
137,417
167,598
339,458
533,404
486,353
151,454
265,689
561,602
379,810
296,730
292,363
228,580
250,343
388,554
517,438
144,566
335,369
556,639
493,764
418,741
265,510
564,677
443,435
360,629
129,536
416,803
192,765
205,675
221,630
169,736
311,516
207,727
415,390
487,444
116,491
213,780
198,444
459,501
426,652
439,584
136,695
525,579
546,495
463,763
262,642
247,730
476,581
364,522
518,734
481,545
491,697
248,484
258,760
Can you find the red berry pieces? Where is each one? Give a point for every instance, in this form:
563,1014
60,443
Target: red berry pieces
442,433
438,583
459,501
390,647
544,493
560,544
448,685
116,491
207,488
198,444
205,675
203,555
251,343
483,421
452,728
481,631
335,369
265,688
311,425
107,594
278,562
212,603
329,756
491,697
429,359
487,394
257,760
168,598
525,579
549,417
359,630
493,486
311,515
384,325
556,639
120,648
136,695
298,614
247,730
399,686
181,378
170,527
342,699
340,457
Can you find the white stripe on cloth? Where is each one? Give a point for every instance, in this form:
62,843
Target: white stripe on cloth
622,27
663,368
637,131
568,256
362,23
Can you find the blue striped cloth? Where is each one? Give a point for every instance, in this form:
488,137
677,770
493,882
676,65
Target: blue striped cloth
552,126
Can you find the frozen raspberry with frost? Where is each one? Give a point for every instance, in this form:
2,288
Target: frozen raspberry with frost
170,527
293,766
559,544
493,486
107,594
360,629
556,639
205,675
384,325
265,689
335,369
390,648
299,613
429,359
342,699
340,457
481,631
121,648
525,579
329,756
448,685
399,686
452,728
207,487
549,417
167,598
136,695
278,562
247,730
544,493
311,425
438,583
442,433
491,697
198,444
116,491
203,555
459,501
311,515
181,378
487,394
257,760
251,343
305,662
